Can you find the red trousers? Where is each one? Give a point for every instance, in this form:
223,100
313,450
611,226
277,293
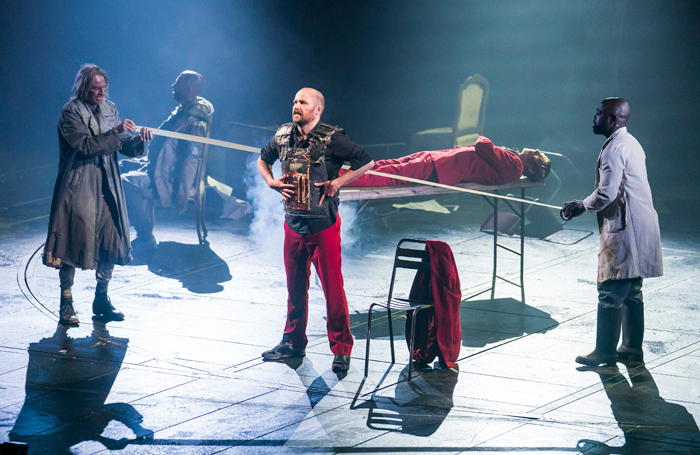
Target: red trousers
323,249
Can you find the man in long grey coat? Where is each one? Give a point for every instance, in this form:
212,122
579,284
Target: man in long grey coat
88,226
630,242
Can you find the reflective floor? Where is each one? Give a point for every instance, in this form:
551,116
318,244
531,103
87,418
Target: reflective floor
182,374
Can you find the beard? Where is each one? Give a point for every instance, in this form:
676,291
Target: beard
301,119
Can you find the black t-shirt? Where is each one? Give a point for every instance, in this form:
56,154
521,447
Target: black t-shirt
339,150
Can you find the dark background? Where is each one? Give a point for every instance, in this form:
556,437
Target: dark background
387,69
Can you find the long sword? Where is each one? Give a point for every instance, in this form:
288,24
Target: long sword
247,148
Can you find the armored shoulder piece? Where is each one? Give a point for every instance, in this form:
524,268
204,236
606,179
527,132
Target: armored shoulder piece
283,133
327,130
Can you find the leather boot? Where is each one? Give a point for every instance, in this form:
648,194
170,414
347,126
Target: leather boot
145,243
67,313
632,332
144,221
102,306
607,336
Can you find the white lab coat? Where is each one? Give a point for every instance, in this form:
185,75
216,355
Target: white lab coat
630,241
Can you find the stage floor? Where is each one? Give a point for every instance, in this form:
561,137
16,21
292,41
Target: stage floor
183,373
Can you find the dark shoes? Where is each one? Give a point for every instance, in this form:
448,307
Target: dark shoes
284,350
630,350
631,319
595,358
625,354
67,313
102,307
606,339
145,243
341,363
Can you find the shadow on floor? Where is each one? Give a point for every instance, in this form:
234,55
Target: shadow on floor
650,423
197,267
483,322
418,408
289,420
491,321
68,381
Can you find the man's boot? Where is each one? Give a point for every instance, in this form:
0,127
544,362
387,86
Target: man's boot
632,332
143,220
606,338
67,313
102,306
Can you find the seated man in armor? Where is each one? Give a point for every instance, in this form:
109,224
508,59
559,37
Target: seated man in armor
170,174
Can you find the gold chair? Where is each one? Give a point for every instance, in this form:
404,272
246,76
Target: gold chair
469,122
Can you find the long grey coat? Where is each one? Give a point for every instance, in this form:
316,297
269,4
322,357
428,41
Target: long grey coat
88,149
630,240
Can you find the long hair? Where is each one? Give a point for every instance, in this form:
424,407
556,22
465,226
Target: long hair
81,86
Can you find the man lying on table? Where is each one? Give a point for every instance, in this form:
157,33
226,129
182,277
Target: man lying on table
482,163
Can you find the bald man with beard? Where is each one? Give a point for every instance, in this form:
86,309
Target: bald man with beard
312,154
630,242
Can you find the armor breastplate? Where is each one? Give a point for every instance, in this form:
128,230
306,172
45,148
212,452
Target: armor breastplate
303,167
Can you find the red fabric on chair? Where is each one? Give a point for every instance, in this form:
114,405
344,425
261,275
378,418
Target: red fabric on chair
439,330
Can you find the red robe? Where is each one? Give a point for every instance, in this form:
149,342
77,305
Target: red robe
439,328
482,163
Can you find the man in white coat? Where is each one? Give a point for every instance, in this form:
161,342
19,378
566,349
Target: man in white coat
630,242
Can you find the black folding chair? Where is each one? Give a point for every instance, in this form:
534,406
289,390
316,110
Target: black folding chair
405,258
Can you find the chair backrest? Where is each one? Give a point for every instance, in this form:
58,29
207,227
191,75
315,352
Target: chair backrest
409,258
471,110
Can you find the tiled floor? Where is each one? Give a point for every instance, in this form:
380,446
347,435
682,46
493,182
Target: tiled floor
183,373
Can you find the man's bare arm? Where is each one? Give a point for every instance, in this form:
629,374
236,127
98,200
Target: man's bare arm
332,186
285,189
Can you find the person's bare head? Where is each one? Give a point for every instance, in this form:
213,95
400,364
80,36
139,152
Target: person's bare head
612,114
187,86
308,106
536,165
90,85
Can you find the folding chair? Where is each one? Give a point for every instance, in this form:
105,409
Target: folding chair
405,258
